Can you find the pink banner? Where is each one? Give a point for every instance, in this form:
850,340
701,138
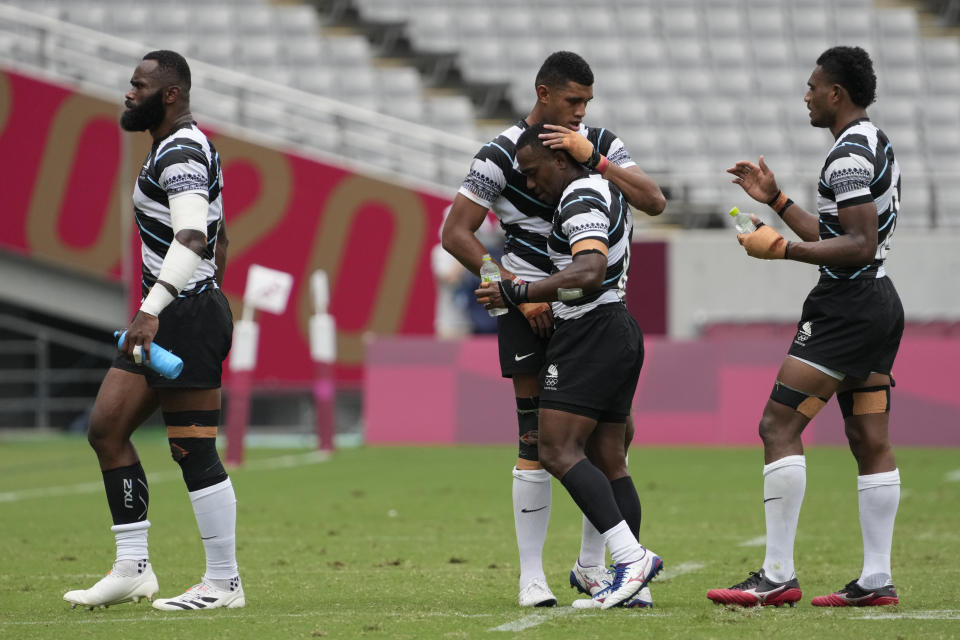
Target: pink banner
283,210
706,392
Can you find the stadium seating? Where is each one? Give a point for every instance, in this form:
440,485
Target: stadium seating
731,71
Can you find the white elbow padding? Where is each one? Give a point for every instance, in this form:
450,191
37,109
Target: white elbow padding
189,211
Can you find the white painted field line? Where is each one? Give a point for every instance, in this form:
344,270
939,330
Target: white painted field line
669,573
932,614
278,462
953,476
534,619
759,541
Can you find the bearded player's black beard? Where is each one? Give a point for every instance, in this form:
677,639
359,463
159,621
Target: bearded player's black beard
147,116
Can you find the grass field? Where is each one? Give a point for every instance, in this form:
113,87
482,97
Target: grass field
419,543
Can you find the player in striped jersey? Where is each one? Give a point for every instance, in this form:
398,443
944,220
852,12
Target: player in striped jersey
848,334
179,212
564,86
593,359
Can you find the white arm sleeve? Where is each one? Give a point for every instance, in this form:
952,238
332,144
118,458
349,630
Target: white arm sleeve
189,211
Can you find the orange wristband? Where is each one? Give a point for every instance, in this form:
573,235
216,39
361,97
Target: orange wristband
779,203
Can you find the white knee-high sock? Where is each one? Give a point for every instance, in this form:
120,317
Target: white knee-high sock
216,510
784,482
879,497
593,551
532,500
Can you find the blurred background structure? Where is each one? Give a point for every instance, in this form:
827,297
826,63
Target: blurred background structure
346,126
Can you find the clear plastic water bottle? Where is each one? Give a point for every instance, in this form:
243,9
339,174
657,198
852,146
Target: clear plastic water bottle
742,221
489,272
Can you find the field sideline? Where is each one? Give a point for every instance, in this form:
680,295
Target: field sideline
418,543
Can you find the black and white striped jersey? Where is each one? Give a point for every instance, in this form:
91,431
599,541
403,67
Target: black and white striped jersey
592,208
495,182
183,162
859,169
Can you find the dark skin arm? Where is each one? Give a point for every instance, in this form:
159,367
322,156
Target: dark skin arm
143,327
857,247
638,188
585,272
459,239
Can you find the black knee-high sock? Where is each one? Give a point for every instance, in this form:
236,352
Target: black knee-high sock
127,493
625,493
591,491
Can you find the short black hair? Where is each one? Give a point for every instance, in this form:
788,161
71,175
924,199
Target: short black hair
562,67
852,69
531,138
174,63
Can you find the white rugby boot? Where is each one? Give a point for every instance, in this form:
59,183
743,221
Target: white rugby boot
127,581
537,594
630,577
642,600
205,596
589,580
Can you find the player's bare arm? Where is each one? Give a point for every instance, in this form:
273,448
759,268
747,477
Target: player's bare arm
458,236
638,188
856,247
459,239
759,182
583,276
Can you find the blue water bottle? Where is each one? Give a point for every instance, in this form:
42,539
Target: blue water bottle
162,361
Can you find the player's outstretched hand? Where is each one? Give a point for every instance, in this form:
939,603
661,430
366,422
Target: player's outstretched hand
756,179
140,334
489,296
575,144
540,317
764,243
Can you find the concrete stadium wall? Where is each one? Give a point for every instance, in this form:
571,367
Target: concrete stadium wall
702,392
711,279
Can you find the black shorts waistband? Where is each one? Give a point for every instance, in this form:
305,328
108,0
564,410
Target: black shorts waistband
603,309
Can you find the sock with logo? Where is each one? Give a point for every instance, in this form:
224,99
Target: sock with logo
127,494
532,500
784,482
215,508
879,497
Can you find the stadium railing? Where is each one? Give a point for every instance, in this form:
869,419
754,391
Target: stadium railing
357,136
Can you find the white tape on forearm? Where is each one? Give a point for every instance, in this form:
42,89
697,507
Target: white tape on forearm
157,300
179,265
178,268
189,211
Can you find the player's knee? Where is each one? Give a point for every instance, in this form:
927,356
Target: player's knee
99,436
527,414
193,445
551,458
